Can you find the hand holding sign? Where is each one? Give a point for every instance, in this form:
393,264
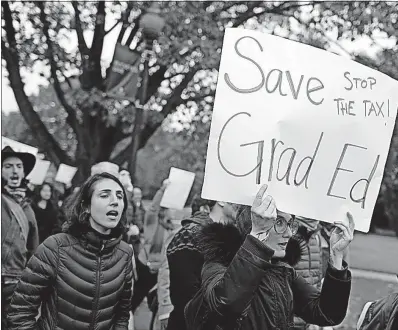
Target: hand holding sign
342,234
178,186
263,212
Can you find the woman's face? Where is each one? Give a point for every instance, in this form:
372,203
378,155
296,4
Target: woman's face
45,192
106,205
278,242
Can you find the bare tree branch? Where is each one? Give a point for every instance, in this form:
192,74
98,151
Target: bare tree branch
155,81
97,45
45,139
125,20
150,128
71,119
9,28
79,31
248,14
175,98
84,51
134,30
199,97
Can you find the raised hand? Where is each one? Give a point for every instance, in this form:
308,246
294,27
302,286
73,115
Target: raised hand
263,211
165,183
342,235
340,239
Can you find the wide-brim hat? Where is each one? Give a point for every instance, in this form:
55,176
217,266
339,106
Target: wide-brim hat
28,160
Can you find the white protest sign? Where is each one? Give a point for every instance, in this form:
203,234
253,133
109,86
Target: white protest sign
18,146
313,125
176,193
65,173
39,172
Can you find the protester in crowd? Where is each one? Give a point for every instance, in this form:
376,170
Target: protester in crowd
185,259
82,278
250,288
159,296
165,306
139,209
381,314
19,234
310,264
46,211
149,259
132,232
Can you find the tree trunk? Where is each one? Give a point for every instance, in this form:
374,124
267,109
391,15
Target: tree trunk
46,141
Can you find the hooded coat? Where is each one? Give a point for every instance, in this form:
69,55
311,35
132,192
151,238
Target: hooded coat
82,283
185,262
249,291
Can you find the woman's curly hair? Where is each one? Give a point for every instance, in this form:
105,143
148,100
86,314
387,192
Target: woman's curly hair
76,208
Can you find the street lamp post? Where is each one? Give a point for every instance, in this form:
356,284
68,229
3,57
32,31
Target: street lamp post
151,24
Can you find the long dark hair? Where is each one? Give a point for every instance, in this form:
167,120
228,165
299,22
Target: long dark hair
76,209
37,193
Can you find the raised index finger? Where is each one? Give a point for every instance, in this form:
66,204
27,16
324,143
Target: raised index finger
259,197
351,222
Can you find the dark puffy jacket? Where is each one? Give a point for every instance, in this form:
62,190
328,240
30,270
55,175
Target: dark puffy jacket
82,283
252,292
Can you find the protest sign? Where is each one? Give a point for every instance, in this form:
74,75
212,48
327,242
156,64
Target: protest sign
39,172
18,146
65,174
176,193
316,127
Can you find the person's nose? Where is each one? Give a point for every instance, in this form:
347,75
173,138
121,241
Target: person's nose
288,232
114,200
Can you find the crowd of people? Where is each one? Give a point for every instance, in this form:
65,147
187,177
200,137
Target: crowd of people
90,262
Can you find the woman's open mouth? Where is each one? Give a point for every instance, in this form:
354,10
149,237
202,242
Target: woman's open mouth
112,214
283,245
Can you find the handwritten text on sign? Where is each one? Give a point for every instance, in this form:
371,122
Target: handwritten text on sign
313,125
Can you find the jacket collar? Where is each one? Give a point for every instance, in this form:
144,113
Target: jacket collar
200,218
98,243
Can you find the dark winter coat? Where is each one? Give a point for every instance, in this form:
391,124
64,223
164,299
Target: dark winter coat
250,291
185,265
82,283
381,314
17,243
48,220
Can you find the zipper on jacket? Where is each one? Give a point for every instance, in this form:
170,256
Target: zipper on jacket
97,287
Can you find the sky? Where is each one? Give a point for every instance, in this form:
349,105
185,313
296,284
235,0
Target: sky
32,81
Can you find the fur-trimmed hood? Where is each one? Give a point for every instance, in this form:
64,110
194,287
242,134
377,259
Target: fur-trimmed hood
220,242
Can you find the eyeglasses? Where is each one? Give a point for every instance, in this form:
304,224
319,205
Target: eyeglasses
281,224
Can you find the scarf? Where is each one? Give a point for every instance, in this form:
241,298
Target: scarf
18,193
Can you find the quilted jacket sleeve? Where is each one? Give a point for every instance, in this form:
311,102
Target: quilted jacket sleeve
124,306
36,279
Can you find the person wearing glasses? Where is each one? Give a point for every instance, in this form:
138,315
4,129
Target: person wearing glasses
247,283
